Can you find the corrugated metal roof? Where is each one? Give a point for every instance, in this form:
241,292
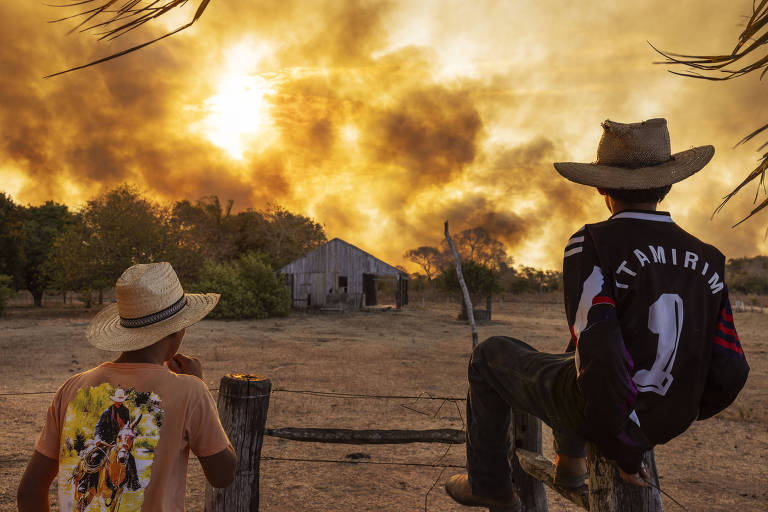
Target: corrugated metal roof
331,249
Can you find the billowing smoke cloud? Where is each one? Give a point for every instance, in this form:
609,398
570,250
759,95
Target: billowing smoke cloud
381,119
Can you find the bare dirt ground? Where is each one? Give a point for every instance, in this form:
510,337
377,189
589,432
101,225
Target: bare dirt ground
719,464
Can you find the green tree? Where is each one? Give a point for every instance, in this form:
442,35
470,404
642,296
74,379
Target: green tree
207,226
6,292
480,279
210,227
748,275
68,266
248,285
530,279
42,225
482,282
289,236
111,233
11,240
476,244
430,259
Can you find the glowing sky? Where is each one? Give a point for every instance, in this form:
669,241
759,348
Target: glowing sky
381,119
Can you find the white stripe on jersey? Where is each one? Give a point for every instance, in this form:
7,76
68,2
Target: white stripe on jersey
643,216
574,240
571,252
589,290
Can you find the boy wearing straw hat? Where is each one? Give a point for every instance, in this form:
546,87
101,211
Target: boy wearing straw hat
133,420
653,346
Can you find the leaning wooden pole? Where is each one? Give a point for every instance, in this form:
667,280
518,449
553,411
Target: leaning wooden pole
609,493
243,403
464,290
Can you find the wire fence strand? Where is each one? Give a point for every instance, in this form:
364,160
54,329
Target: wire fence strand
372,462
330,394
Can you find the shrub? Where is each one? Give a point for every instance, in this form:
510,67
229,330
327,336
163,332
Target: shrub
6,292
249,288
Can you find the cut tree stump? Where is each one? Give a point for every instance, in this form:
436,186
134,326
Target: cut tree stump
606,491
243,403
609,493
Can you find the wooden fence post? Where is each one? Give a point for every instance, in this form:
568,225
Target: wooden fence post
525,432
243,403
609,493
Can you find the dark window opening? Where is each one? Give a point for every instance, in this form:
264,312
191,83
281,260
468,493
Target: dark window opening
343,283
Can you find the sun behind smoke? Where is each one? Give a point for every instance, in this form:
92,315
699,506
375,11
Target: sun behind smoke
238,117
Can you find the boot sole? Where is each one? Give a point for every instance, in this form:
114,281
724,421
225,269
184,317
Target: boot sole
514,507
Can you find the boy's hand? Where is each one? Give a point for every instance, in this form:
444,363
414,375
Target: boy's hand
640,479
180,363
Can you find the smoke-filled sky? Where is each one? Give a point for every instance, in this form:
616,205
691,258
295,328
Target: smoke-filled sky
380,119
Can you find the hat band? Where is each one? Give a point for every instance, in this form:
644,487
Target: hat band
144,321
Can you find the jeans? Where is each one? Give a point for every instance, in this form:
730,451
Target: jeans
506,373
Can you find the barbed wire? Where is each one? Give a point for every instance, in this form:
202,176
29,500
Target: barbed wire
331,394
372,462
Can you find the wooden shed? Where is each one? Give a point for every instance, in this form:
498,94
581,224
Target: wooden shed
338,274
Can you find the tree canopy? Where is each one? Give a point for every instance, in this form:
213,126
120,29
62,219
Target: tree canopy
48,247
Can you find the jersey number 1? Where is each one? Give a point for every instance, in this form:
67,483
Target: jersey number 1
665,318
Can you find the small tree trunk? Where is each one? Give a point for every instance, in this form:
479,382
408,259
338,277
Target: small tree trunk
243,403
525,432
464,290
609,493
37,296
101,297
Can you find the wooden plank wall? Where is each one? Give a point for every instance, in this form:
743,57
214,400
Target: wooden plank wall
319,271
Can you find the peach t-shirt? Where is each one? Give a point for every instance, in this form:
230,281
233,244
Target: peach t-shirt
150,415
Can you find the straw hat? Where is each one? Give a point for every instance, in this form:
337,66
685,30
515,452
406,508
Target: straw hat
636,156
150,305
119,396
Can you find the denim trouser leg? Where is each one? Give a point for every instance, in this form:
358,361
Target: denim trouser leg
507,373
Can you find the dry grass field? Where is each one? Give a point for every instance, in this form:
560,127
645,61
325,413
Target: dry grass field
719,464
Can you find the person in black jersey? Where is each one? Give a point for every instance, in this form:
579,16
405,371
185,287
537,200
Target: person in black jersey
652,348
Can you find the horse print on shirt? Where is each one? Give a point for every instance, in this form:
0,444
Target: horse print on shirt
108,442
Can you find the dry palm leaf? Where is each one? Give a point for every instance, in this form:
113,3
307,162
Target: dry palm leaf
727,67
111,19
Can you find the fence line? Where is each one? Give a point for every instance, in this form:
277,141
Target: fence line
375,463
423,396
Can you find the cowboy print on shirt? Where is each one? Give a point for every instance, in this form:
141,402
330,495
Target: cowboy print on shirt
109,437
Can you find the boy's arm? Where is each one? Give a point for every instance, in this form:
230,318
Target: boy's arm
32,495
603,364
219,468
728,368
208,439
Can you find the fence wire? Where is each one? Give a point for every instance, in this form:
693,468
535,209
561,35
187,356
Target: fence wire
422,396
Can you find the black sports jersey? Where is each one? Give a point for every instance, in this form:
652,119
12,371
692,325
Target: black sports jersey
650,320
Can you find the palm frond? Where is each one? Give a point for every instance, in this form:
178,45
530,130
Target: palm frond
756,210
115,19
760,170
722,67
748,42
